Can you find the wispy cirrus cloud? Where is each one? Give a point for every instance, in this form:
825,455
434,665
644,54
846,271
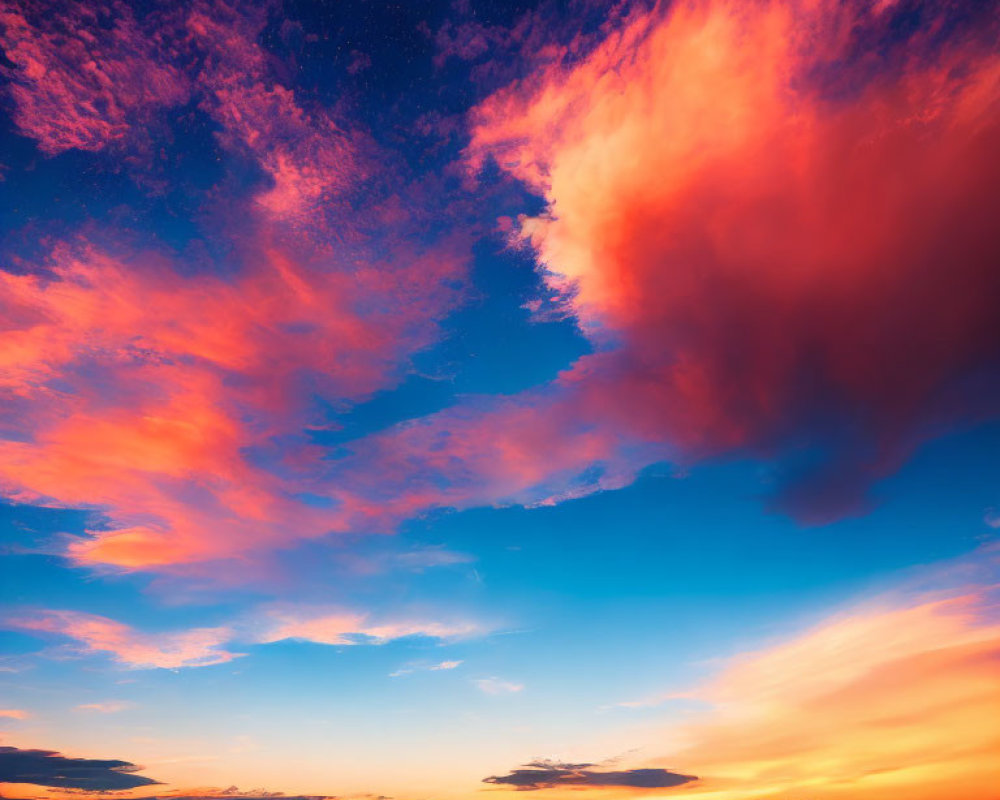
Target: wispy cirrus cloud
334,627
334,281
91,633
203,647
14,713
106,707
887,700
197,393
423,667
496,686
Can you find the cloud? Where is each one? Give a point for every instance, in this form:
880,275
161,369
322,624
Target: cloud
409,670
73,89
555,775
777,240
203,406
445,665
497,686
48,768
885,701
722,224
202,647
323,626
107,707
14,713
771,258
198,647
198,395
529,449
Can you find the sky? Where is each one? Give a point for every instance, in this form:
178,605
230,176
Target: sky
456,399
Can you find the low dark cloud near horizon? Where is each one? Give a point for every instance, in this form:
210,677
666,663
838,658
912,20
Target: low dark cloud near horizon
553,774
49,768
96,776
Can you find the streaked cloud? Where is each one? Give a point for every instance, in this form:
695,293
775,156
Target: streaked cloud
496,685
198,647
107,707
325,626
876,703
423,667
333,282
14,713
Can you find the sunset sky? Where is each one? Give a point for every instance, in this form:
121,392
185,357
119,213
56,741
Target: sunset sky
452,399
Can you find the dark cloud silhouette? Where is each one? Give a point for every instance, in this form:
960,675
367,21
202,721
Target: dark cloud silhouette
48,768
554,774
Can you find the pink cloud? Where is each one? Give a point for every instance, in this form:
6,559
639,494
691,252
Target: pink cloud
177,402
312,159
325,626
14,713
107,707
155,413
78,83
766,264
199,647
531,449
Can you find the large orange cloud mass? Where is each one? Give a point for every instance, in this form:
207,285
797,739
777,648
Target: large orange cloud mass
778,222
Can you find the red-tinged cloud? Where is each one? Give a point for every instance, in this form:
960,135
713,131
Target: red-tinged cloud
85,75
336,627
312,160
531,449
777,223
175,404
876,704
176,401
199,647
